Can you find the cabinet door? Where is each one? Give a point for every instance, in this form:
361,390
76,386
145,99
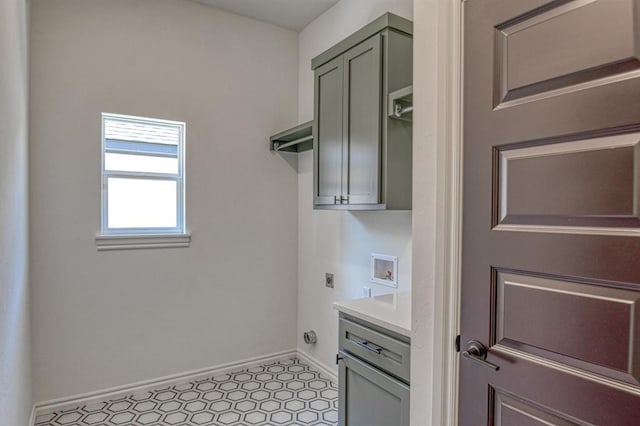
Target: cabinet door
362,130
327,152
369,397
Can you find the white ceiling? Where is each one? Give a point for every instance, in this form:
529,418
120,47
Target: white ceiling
291,14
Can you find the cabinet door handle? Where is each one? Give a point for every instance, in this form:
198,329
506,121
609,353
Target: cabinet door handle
344,200
336,199
369,346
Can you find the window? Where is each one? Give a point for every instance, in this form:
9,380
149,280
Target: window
142,176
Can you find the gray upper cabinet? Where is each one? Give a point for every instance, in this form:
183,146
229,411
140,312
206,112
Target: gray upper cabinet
362,157
362,117
328,125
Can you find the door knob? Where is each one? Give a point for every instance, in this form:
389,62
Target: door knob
477,353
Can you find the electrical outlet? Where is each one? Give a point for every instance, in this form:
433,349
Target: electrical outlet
328,279
366,291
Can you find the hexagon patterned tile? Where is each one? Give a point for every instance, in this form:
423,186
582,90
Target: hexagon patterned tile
283,393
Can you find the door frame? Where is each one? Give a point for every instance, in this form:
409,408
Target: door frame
448,215
451,219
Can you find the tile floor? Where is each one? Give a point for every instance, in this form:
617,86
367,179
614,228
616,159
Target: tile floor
283,393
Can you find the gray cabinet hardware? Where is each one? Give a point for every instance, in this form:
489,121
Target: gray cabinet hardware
369,346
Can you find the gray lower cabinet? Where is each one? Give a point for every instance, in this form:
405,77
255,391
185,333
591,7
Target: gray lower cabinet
373,375
370,397
362,157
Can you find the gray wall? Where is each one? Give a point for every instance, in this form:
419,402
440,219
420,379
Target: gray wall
103,319
15,355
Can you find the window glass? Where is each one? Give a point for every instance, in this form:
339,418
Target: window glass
141,203
143,175
140,163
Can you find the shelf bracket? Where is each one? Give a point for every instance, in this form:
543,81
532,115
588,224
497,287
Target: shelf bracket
296,139
401,104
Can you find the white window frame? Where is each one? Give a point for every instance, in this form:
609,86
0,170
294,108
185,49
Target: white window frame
111,238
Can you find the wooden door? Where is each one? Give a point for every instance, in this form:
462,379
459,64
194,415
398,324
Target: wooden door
551,225
362,122
327,143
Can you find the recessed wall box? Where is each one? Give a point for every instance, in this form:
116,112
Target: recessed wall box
384,269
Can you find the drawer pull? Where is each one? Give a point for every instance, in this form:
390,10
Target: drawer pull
369,346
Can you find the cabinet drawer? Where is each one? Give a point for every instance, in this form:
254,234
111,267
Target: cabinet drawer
380,350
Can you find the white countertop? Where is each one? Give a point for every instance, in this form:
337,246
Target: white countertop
391,311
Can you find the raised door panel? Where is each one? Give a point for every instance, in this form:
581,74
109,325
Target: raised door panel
327,152
362,117
576,183
587,325
509,411
565,46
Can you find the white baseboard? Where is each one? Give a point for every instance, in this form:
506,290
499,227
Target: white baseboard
51,406
326,371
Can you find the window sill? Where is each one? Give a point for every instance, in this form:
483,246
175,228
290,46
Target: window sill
133,242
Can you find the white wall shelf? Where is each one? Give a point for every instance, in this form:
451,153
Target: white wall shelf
297,139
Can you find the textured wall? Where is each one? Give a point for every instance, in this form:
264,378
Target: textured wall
103,319
15,355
